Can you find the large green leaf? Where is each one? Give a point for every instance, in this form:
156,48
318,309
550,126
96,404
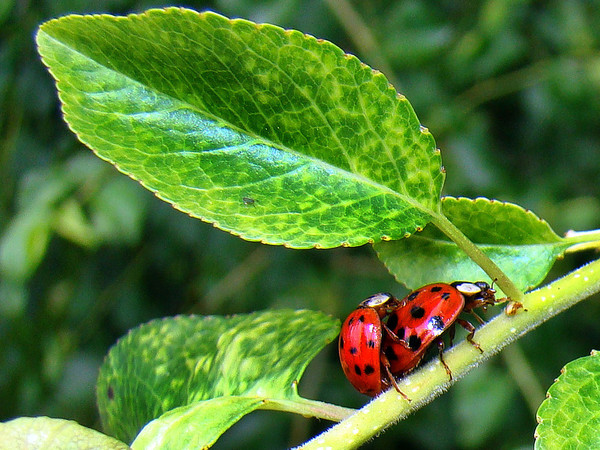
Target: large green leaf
267,133
174,362
570,415
44,433
520,243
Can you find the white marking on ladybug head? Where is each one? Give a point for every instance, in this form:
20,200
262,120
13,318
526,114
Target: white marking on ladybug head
467,288
377,300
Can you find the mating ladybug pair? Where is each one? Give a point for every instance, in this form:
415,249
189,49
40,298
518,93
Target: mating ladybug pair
386,338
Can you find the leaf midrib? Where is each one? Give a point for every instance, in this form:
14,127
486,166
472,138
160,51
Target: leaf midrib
253,137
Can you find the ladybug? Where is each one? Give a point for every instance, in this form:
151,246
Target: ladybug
426,313
363,362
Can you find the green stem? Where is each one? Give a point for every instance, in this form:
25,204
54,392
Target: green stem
480,258
583,240
431,380
309,408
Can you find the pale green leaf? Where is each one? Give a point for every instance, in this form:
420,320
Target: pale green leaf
198,425
45,433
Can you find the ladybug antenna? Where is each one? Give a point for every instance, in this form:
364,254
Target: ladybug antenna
493,282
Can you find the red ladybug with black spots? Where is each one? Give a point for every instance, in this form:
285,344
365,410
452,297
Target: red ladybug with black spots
384,337
359,345
425,314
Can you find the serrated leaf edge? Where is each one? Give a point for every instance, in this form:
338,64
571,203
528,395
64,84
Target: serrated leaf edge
321,42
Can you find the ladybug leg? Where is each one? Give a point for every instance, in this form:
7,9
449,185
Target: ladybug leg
386,365
394,337
451,334
471,329
440,346
479,319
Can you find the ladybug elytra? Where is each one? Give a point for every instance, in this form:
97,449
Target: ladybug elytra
425,314
363,362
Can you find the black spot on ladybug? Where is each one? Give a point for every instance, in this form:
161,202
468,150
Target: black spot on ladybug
369,369
353,350
412,296
414,342
400,333
445,295
436,289
110,393
392,321
390,354
361,319
341,342
436,323
371,343
350,321
357,369
417,312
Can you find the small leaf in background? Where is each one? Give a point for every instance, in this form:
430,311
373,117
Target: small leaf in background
520,243
174,362
23,244
24,241
270,134
569,417
118,211
198,425
71,223
42,433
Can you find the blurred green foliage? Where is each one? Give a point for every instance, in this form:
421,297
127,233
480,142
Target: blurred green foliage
510,90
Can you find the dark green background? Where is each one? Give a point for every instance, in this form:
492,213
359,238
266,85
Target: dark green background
510,90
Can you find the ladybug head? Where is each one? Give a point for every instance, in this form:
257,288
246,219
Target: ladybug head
383,303
478,291
377,300
487,291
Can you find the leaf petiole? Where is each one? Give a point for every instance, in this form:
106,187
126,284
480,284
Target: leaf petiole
478,256
309,408
583,240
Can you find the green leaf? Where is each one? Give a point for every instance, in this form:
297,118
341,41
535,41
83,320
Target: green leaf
174,362
520,243
198,425
71,223
33,433
24,243
267,133
570,415
40,212
119,221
